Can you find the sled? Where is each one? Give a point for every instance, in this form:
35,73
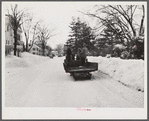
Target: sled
77,70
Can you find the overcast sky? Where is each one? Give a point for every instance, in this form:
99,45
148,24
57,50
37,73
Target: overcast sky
57,15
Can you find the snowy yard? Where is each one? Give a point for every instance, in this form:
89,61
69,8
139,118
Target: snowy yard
36,81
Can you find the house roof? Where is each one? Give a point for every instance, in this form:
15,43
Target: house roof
36,46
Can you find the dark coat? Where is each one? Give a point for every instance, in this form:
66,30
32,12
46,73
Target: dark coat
68,56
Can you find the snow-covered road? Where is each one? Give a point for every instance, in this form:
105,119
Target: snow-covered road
47,85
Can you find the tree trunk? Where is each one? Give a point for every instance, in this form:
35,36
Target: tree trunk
15,41
142,21
43,49
26,42
31,46
26,45
133,30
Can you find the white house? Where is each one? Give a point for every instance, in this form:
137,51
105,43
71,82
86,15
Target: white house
36,50
9,37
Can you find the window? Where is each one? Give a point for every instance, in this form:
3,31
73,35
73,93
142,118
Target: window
37,49
33,48
33,53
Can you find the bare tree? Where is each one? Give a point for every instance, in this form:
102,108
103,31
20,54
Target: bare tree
44,34
121,20
15,19
141,31
26,28
34,34
49,49
59,49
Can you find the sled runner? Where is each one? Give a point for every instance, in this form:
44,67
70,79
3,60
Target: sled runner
77,70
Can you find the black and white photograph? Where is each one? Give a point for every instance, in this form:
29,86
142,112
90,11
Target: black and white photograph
74,60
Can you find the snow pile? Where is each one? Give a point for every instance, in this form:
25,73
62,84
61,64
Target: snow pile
26,60
127,72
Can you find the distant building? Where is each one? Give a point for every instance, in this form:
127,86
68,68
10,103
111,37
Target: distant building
37,50
39,44
9,37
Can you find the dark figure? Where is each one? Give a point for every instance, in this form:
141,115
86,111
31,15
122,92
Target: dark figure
78,57
72,53
83,54
72,56
68,56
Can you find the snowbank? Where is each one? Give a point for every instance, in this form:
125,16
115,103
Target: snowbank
127,72
26,60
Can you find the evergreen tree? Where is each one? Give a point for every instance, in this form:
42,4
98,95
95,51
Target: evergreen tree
80,33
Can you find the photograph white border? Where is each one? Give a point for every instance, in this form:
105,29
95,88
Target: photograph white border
74,113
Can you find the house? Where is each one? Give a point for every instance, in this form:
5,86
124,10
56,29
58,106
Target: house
37,50
9,38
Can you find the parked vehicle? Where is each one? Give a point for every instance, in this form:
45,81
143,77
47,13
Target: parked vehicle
75,68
